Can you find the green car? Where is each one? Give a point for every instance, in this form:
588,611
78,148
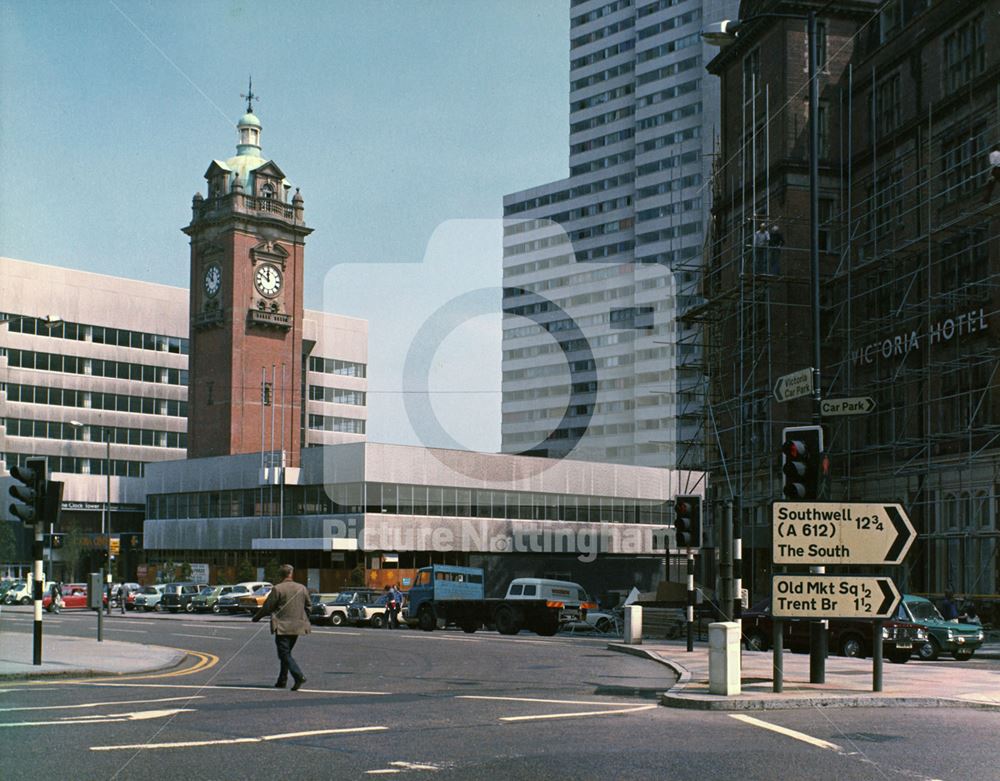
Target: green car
208,598
959,640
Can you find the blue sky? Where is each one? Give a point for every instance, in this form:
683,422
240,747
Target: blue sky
403,123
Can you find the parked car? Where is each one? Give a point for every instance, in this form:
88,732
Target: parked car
336,610
229,603
131,590
370,611
847,636
21,592
149,597
207,599
319,611
959,640
251,603
74,595
177,597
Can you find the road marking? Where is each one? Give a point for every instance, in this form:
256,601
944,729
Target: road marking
205,661
102,704
343,632
135,631
536,699
791,733
578,714
400,766
235,741
108,719
214,626
210,637
223,688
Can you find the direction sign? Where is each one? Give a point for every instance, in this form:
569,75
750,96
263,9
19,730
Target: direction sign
858,405
833,596
791,386
840,533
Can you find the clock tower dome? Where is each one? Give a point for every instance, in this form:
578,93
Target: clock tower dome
247,245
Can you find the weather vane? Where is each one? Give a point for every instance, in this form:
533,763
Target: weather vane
250,97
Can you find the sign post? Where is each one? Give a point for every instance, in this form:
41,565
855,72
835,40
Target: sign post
794,385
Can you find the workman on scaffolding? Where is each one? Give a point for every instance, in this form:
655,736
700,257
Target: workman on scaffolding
775,243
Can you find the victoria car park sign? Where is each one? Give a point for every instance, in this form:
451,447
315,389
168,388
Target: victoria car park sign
792,386
840,533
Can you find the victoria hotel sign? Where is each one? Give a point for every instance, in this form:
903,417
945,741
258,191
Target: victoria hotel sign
955,327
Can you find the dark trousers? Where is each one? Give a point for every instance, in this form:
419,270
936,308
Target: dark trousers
393,618
285,644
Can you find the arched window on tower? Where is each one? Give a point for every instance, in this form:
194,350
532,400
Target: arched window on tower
267,191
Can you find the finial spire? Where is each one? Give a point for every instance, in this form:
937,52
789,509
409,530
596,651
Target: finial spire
250,97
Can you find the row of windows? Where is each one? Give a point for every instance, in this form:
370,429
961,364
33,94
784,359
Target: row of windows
534,372
674,208
659,5
669,139
965,53
689,110
597,13
120,435
401,499
607,251
661,188
602,162
685,229
670,24
334,423
668,93
596,78
602,97
666,163
567,346
337,395
602,54
536,265
575,410
535,244
602,32
95,367
611,430
669,70
81,466
602,119
335,366
565,195
600,230
694,39
99,334
577,389
524,226
624,134
117,402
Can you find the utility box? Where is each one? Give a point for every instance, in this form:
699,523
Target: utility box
95,591
633,625
724,675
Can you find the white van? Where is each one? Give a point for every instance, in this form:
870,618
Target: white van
572,595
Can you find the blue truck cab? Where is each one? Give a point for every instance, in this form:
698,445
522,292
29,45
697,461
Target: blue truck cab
442,582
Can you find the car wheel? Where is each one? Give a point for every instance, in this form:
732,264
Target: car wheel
930,650
469,626
377,621
189,607
25,600
962,656
852,646
603,625
547,629
215,608
899,657
506,622
337,619
756,641
427,620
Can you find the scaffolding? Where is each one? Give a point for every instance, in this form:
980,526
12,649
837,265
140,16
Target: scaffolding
910,293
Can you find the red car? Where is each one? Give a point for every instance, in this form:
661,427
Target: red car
74,595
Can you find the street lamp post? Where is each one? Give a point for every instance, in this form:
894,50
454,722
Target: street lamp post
106,515
720,34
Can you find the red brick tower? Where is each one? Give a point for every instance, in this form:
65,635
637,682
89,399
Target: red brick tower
247,246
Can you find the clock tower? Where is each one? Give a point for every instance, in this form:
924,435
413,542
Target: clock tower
245,390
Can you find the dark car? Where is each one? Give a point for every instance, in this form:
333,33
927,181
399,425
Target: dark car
846,636
177,597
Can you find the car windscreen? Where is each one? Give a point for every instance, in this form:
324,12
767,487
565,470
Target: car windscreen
207,591
150,590
924,611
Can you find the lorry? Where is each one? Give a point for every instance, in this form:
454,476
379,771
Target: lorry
444,595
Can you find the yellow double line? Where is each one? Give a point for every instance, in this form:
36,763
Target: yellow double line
202,661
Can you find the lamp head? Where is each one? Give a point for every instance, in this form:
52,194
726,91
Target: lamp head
721,33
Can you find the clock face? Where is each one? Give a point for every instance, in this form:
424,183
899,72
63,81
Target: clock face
213,279
267,280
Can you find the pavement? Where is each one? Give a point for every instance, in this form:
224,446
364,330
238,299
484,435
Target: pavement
848,682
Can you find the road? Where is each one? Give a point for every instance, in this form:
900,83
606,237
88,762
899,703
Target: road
447,704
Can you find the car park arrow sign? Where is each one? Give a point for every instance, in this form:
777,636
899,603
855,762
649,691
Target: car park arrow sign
833,596
859,405
792,386
840,533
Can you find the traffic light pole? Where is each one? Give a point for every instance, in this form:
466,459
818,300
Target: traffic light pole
817,629
38,549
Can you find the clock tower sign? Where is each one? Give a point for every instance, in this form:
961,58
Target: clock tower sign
247,246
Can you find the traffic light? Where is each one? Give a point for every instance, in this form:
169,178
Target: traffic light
687,520
804,465
57,540
31,493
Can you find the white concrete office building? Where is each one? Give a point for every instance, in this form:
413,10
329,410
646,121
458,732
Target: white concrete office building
597,265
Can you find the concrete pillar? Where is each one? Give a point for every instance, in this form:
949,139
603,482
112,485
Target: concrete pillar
724,658
633,625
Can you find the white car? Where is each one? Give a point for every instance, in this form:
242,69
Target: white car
149,597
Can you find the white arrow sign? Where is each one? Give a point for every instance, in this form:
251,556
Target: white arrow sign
833,596
794,385
840,533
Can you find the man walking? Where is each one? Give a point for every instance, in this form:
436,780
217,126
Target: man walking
288,607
